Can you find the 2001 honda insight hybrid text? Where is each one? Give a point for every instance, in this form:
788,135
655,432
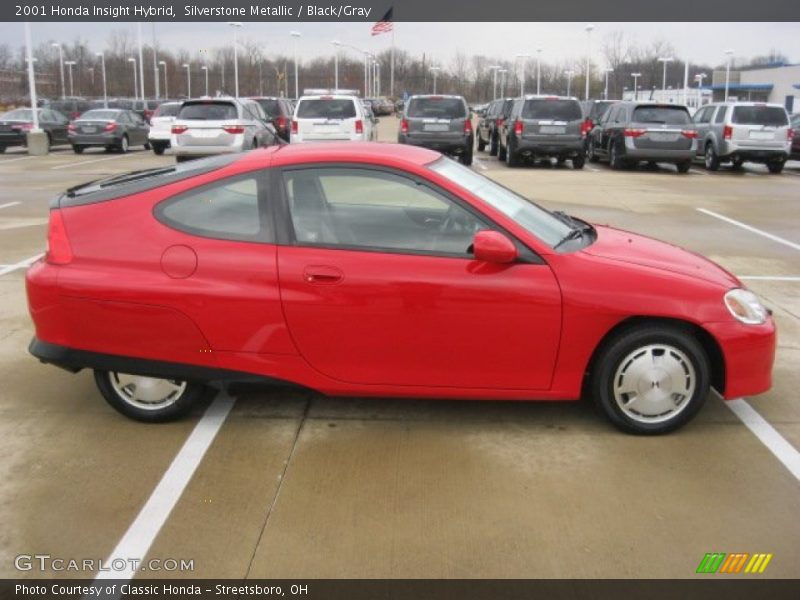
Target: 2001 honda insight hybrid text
380,270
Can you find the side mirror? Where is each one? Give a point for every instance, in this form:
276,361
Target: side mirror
493,247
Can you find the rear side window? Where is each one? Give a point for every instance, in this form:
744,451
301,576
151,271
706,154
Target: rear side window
326,108
227,210
561,110
271,106
208,111
663,115
771,116
167,110
599,109
436,107
720,118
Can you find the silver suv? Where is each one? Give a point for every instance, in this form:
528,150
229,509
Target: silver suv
736,132
209,126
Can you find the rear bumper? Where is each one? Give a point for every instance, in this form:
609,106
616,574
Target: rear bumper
660,155
297,138
206,150
446,146
99,139
550,147
755,155
159,136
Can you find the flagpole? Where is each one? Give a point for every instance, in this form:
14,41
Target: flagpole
391,69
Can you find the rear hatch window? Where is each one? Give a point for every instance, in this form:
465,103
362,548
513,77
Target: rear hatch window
436,107
271,106
662,115
167,110
99,115
557,110
208,111
326,108
769,116
20,114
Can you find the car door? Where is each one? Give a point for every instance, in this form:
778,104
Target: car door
702,124
379,288
140,128
60,123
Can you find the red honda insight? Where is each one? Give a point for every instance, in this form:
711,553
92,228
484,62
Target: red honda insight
380,270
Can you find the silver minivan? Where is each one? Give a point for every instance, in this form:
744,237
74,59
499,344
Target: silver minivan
208,126
736,132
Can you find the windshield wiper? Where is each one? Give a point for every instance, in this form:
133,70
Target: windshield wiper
577,231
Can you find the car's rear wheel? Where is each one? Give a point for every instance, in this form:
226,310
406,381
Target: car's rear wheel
466,156
578,161
512,158
591,154
124,144
737,163
775,166
615,156
711,158
147,145
2,149
159,149
493,146
147,398
651,379
683,167
481,144
501,152
78,149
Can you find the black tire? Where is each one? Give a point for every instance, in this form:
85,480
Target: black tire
591,154
683,167
493,145
466,156
481,144
512,158
501,151
49,142
578,161
124,145
619,352
775,167
147,146
176,408
2,149
737,163
159,149
711,158
110,148
615,160
78,149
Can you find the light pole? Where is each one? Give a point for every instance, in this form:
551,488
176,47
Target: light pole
205,68
377,67
33,148
105,90
435,70
141,64
503,82
163,63
188,80
635,85
61,63
295,35
135,81
236,25
494,69
522,76
729,54
538,71
336,44
605,90
70,63
665,60
699,79
155,64
569,75
588,30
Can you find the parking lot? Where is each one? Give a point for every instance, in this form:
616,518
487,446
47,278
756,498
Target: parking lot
298,485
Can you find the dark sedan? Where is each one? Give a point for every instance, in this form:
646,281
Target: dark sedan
795,152
114,129
15,125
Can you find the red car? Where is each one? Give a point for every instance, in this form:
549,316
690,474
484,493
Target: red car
380,270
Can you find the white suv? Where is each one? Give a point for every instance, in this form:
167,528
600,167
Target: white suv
161,126
330,118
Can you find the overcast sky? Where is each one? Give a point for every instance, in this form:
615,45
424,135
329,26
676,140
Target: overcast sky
699,42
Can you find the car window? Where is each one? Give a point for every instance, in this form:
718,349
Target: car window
599,109
720,118
665,115
227,210
771,116
376,210
562,110
436,107
271,106
208,111
19,114
326,108
167,110
99,115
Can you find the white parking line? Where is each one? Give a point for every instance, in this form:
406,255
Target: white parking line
20,265
774,441
5,162
770,277
769,236
9,204
697,172
479,164
144,529
86,162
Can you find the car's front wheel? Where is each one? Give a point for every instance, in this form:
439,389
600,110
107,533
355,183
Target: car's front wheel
147,399
651,379
481,144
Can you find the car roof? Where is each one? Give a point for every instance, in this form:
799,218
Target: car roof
326,97
436,96
332,152
771,104
549,97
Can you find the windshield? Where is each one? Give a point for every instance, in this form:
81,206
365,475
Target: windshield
770,116
436,107
20,114
532,217
99,115
208,111
669,115
326,108
561,110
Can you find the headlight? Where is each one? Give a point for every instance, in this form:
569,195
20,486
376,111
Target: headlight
745,306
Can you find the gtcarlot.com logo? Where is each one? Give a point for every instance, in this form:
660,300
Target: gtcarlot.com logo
741,562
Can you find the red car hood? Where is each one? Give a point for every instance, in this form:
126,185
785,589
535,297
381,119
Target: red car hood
623,246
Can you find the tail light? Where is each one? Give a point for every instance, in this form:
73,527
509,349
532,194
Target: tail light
586,127
689,133
727,132
148,114
634,133
23,127
499,122
280,122
790,134
110,126
179,129
467,126
59,252
233,129
72,127
517,127
294,126
359,126
404,126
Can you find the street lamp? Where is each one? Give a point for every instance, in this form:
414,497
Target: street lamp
605,90
588,30
336,44
205,68
538,71
295,35
105,91
70,63
166,89
635,85
435,70
188,80
699,79
236,26
494,69
522,77
665,60
377,66
61,63
135,81
729,54
569,75
503,82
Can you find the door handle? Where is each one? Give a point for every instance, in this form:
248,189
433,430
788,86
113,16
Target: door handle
322,274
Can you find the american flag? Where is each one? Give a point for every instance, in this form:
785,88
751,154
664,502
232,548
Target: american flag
385,25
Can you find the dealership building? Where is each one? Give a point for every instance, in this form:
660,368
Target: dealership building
779,84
